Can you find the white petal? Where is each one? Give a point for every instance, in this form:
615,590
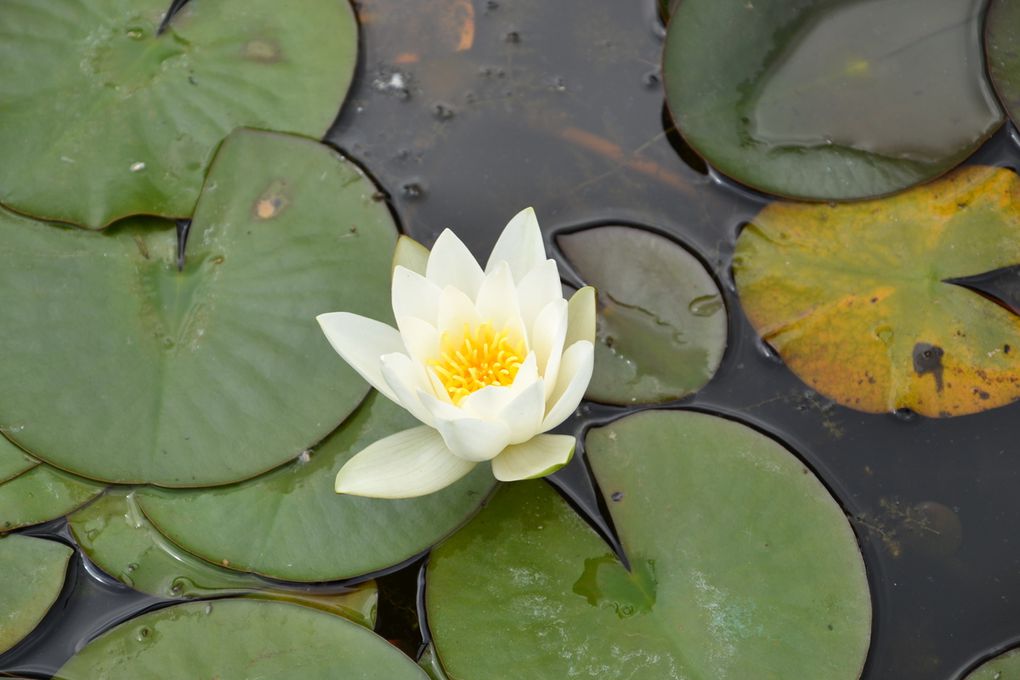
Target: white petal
438,388
537,289
497,302
538,457
456,310
523,414
420,338
361,342
547,337
411,463
575,374
414,295
452,264
581,316
520,245
406,378
474,439
411,255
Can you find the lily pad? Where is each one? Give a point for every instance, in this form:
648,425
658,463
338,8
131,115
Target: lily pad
34,570
855,298
661,329
137,372
1002,45
239,638
104,118
13,461
742,566
830,100
118,538
290,524
1003,667
41,494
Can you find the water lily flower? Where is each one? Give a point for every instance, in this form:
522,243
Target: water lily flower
488,360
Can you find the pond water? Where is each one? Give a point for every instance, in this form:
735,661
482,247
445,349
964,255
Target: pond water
561,106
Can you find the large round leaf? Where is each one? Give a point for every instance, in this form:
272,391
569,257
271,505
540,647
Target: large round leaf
104,118
1003,667
854,297
118,538
291,525
661,320
33,574
830,99
1002,43
239,639
41,494
121,368
742,566
13,461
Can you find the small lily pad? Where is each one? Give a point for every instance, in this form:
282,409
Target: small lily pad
41,494
291,525
857,299
661,329
104,118
33,575
118,538
1003,667
742,566
13,461
1002,45
830,100
239,639
136,371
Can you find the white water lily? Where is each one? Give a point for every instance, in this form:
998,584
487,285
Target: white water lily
488,361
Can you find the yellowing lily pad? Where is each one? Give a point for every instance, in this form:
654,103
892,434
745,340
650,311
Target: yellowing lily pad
1002,45
239,639
1003,667
830,100
854,298
13,461
119,367
33,575
661,330
742,566
41,494
291,525
103,118
118,538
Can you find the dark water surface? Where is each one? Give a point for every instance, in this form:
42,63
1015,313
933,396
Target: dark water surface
559,105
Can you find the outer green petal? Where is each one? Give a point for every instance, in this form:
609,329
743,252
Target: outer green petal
539,456
581,317
410,254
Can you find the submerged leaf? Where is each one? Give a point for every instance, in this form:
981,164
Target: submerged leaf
830,100
855,299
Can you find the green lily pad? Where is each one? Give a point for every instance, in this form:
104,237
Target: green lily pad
661,329
102,118
118,538
41,494
1002,45
742,566
830,100
290,524
855,298
239,639
137,372
34,570
1003,667
13,461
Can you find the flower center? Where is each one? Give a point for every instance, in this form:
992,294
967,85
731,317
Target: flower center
479,358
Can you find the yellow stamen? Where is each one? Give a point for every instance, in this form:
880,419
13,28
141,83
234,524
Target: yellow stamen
478,358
